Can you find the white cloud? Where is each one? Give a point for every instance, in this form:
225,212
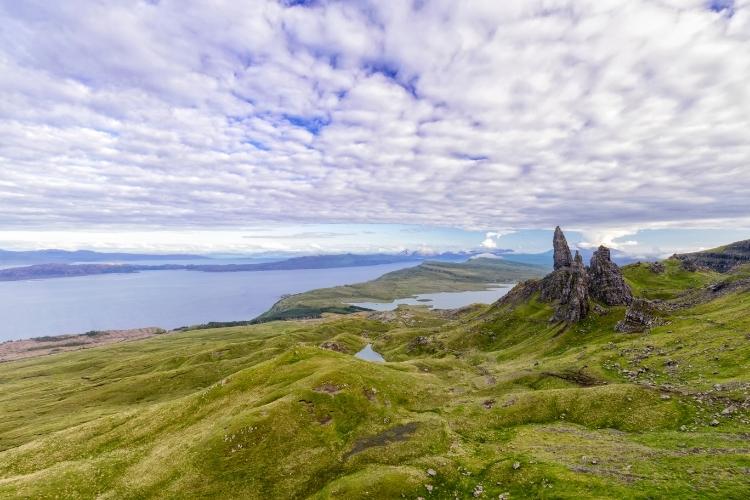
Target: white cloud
483,114
489,243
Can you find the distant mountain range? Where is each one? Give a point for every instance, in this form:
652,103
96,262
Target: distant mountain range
44,264
55,256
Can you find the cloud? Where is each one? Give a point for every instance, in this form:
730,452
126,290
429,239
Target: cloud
482,114
489,243
491,237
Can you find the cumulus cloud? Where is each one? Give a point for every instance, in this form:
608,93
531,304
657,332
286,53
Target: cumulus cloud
588,113
491,237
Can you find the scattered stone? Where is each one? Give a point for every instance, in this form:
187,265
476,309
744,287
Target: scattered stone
516,465
714,423
478,491
665,397
488,404
509,402
334,346
428,487
503,496
683,428
431,472
594,461
370,393
729,410
328,388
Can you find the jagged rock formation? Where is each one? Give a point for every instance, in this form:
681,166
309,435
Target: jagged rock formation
606,282
720,259
571,284
562,256
641,315
567,285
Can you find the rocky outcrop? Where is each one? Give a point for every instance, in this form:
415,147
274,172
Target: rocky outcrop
562,256
641,315
567,285
606,283
657,267
571,285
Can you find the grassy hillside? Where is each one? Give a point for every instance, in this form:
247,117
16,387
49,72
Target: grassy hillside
488,401
428,277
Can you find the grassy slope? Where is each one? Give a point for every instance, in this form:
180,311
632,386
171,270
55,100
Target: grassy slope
426,278
262,412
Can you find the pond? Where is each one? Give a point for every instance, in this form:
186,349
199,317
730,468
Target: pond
369,355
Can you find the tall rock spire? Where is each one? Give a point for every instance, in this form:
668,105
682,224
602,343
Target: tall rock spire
567,285
563,258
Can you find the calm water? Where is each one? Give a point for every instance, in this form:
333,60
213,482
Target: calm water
168,299
443,300
369,355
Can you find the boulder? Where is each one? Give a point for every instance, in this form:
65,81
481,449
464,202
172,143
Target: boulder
641,315
606,282
657,267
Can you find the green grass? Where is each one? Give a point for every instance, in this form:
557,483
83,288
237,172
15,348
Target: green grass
261,411
667,285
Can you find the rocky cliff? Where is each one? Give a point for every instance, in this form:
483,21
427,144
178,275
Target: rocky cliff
720,259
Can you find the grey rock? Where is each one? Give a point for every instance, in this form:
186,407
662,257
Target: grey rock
606,282
641,315
729,410
657,267
562,256
567,288
567,285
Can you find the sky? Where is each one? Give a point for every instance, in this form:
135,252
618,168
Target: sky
320,126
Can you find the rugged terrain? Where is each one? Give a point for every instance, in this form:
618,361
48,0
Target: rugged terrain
646,398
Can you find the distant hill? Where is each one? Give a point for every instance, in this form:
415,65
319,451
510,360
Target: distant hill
720,259
428,277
